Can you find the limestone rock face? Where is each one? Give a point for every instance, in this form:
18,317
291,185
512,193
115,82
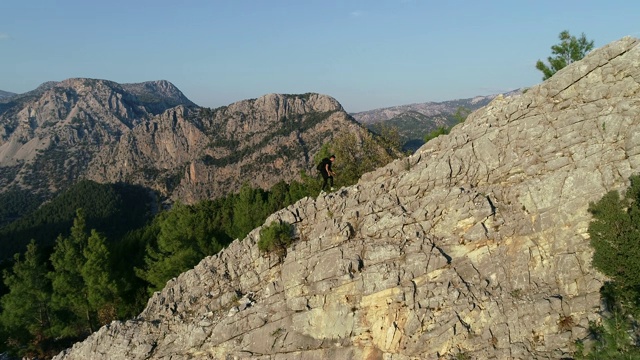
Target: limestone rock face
477,244
152,135
49,136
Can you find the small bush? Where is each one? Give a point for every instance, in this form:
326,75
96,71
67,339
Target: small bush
565,323
615,235
612,339
275,237
442,130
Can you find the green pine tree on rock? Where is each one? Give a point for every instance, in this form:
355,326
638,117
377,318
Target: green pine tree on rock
569,50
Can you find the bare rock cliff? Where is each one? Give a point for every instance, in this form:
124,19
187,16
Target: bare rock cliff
152,135
208,153
48,136
475,245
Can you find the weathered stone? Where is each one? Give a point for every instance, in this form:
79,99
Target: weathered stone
479,247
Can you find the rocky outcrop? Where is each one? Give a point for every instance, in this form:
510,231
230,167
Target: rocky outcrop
475,246
207,153
48,136
151,134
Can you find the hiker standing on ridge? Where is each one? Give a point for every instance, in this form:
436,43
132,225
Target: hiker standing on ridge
325,169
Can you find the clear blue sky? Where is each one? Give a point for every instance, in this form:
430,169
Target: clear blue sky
366,53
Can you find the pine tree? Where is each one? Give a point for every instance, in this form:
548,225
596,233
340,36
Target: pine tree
356,156
570,49
102,293
441,130
248,211
185,237
615,237
69,291
26,314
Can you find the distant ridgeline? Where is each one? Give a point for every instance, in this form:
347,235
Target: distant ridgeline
415,121
6,94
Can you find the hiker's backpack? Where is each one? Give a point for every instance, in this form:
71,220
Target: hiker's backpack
323,163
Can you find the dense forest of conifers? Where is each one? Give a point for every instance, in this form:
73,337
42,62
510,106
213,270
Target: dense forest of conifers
96,252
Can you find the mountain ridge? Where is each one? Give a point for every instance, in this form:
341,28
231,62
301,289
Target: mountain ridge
429,108
152,135
6,94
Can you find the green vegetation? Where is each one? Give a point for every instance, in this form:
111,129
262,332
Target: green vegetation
442,130
615,237
288,125
8,173
611,339
389,137
458,117
105,205
569,50
81,282
17,203
184,236
27,314
275,237
461,114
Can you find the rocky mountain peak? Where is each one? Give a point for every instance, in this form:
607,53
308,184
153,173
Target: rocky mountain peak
160,91
475,246
152,135
284,105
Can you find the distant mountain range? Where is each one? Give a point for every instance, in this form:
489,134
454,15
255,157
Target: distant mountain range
414,121
6,94
150,134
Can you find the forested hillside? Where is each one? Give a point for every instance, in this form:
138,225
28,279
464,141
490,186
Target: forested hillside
98,250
